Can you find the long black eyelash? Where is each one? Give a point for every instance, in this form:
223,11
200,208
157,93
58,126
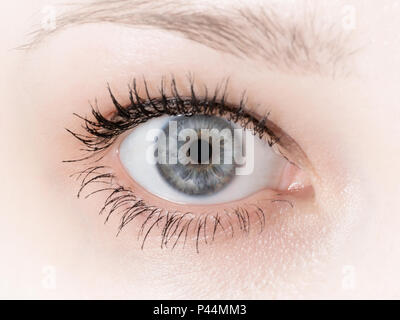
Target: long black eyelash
103,131
175,226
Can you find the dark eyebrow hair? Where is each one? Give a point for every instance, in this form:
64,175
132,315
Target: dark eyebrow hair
295,45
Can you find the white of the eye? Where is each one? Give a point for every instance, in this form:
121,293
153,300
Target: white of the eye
268,169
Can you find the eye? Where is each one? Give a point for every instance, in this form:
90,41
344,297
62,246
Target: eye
180,161
200,159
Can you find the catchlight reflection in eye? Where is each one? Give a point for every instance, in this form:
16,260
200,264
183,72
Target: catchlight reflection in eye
200,159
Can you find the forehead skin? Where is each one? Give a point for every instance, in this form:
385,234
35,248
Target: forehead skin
364,127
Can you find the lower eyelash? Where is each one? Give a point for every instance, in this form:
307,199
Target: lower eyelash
176,227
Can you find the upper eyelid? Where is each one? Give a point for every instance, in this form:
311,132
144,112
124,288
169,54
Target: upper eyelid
99,139
102,125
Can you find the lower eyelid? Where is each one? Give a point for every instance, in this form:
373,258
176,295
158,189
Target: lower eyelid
180,224
241,217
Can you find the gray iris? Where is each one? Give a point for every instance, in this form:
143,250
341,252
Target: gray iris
202,175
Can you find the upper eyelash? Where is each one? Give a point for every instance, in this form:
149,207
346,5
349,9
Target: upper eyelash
103,131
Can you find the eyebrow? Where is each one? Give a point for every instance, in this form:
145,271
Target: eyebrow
301,45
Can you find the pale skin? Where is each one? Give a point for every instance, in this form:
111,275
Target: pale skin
340,243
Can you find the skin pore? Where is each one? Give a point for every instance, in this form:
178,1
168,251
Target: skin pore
328,73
